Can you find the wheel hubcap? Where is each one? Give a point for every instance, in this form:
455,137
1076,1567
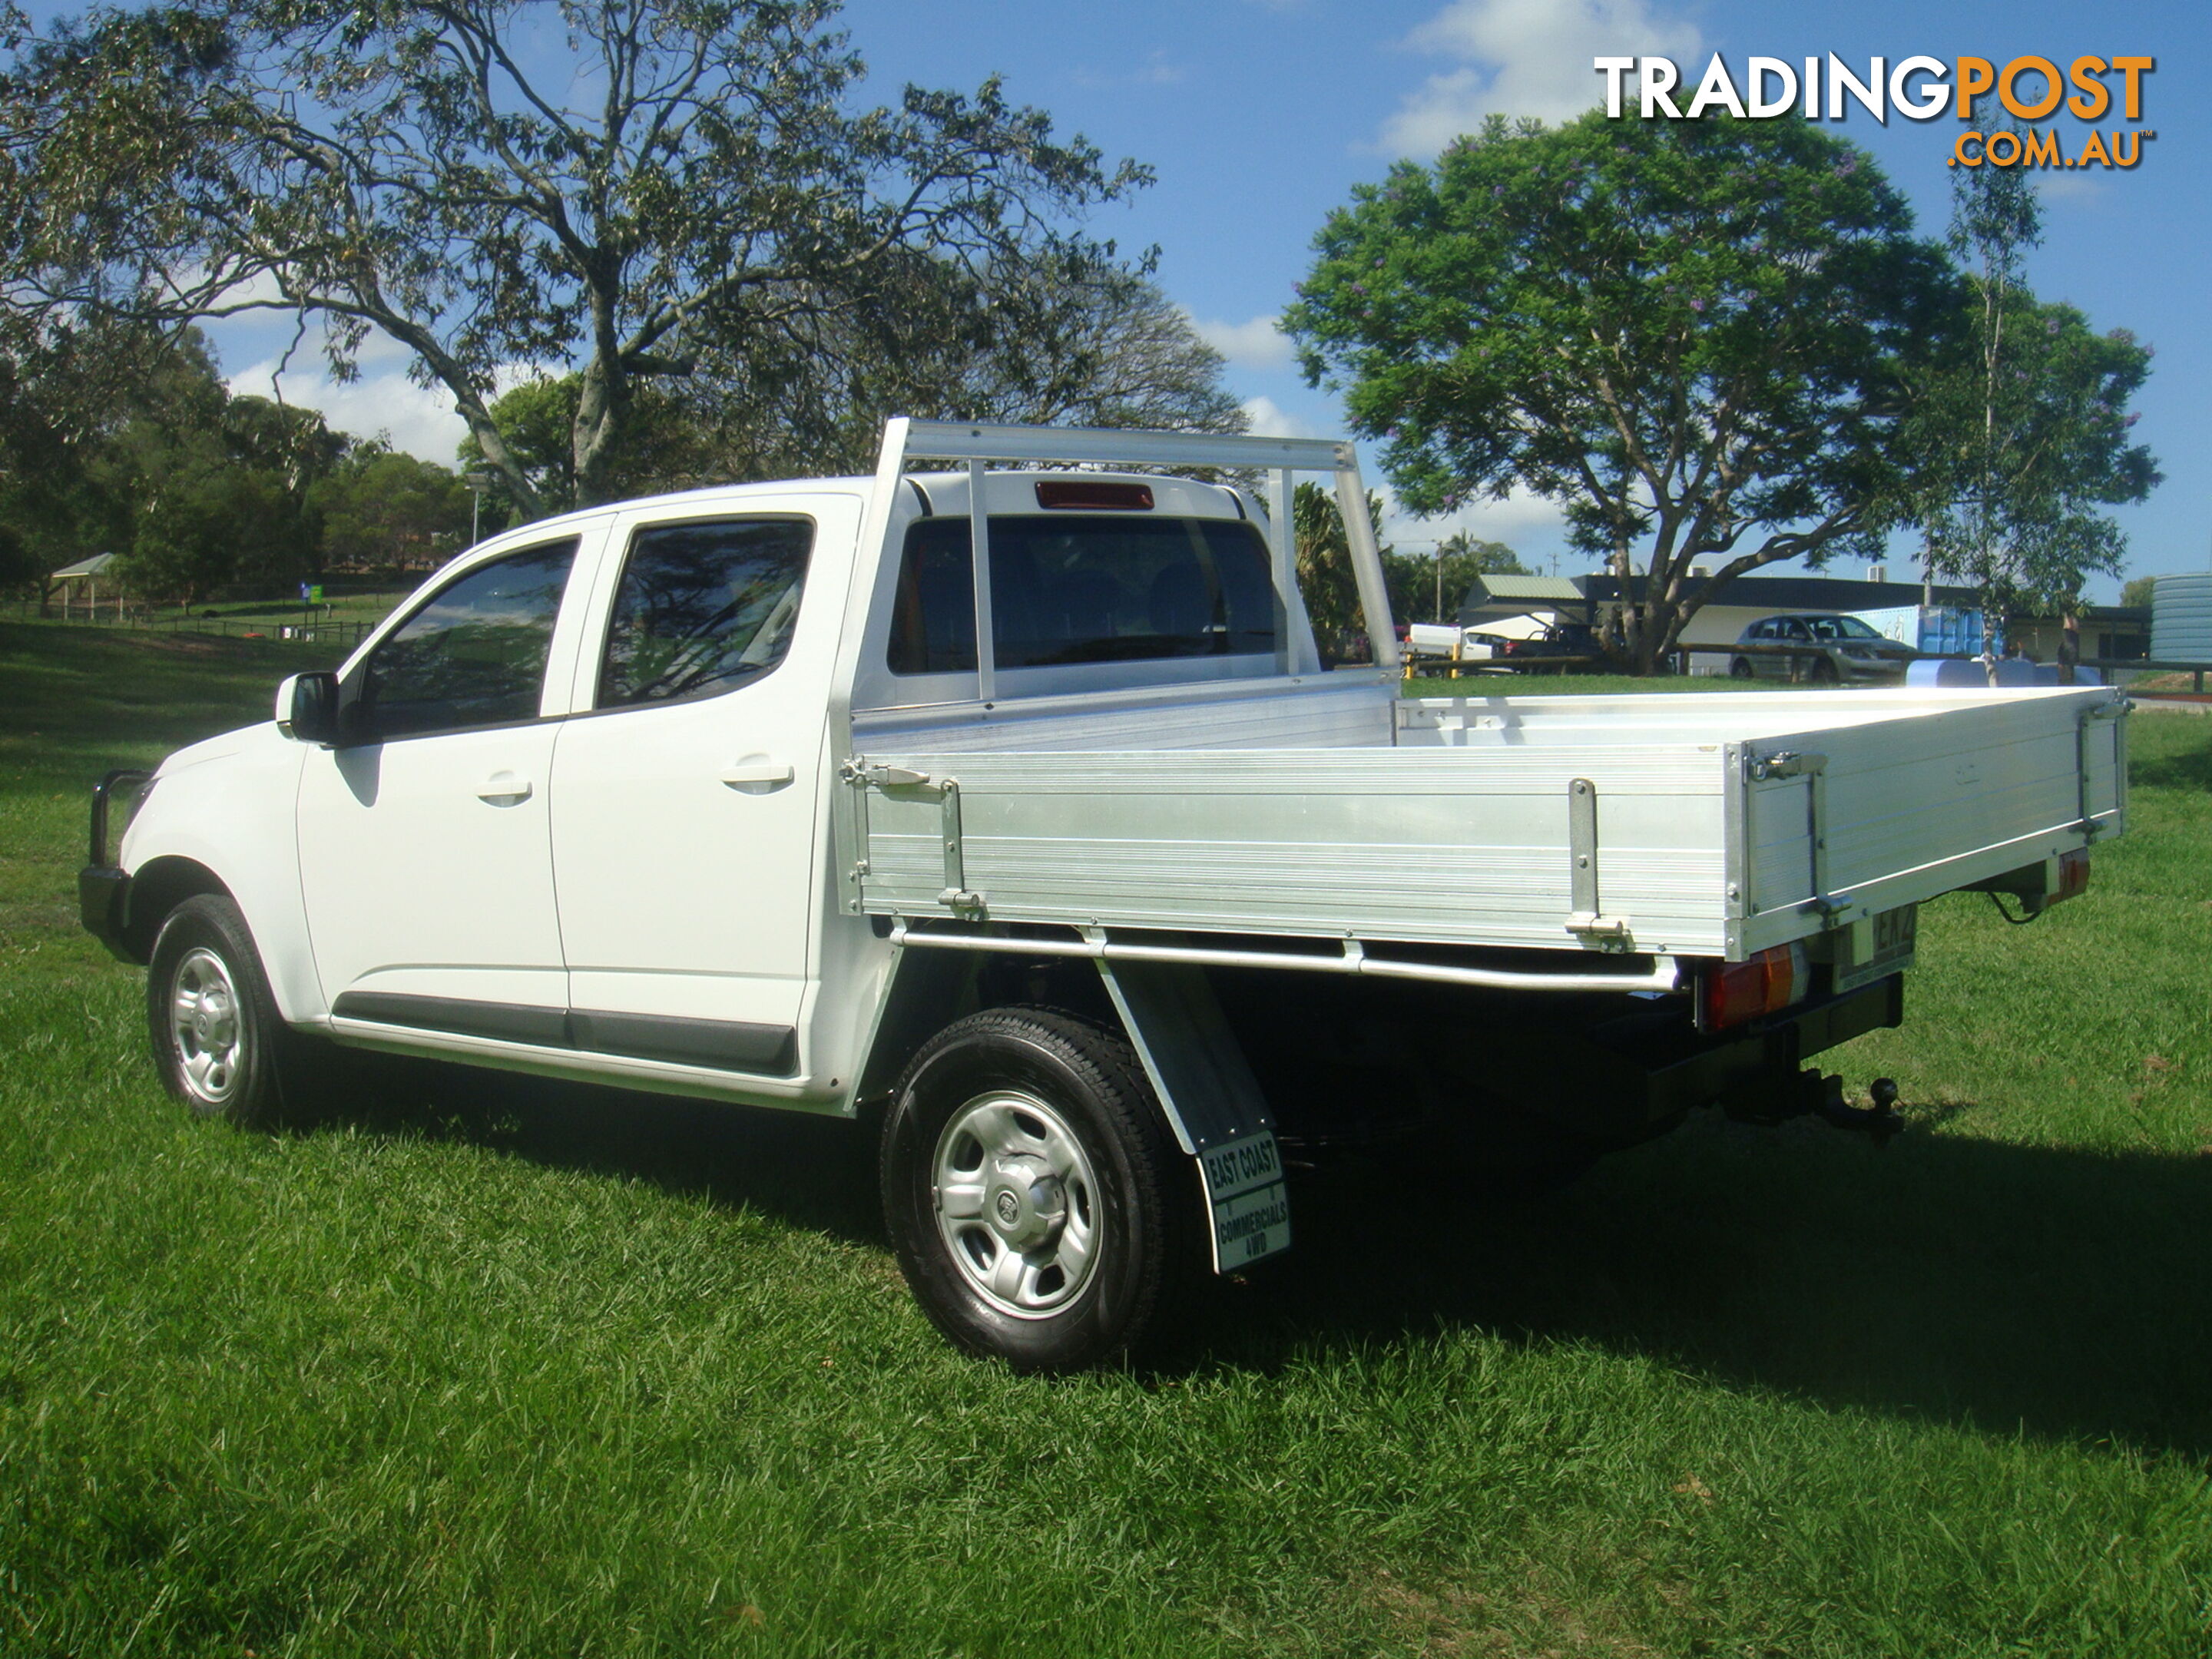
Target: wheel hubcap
1015,1203
205,1027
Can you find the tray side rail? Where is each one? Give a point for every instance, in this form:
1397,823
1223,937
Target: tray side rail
1615,850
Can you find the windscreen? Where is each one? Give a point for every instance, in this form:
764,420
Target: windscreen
1084,587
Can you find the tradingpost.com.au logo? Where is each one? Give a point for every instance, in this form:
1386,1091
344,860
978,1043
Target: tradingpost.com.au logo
1918,89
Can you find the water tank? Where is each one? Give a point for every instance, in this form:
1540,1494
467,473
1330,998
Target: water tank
2181,617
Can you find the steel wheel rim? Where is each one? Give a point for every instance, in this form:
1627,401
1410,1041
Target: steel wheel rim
1017,1204
205,1028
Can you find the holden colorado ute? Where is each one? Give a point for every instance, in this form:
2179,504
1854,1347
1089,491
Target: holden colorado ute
1014,805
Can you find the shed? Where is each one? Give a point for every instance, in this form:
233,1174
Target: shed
89,573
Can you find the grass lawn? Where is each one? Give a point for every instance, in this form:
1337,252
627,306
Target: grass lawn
489,1368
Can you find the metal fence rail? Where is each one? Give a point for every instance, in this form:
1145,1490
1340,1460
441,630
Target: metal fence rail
346,632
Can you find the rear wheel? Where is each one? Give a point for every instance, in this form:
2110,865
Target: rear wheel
1740,669
219,1043
1039,1209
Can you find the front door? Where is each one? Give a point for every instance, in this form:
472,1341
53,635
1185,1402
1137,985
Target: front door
425,855
685,800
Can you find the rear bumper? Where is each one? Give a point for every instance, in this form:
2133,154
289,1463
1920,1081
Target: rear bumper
1640,1074
1767,1054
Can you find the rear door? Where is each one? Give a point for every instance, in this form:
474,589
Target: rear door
425,852
687,789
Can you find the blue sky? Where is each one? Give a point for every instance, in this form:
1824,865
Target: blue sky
1260,115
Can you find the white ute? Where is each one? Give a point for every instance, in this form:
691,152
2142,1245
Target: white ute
1055,844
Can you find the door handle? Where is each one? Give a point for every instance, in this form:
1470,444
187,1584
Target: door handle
503,789
759,773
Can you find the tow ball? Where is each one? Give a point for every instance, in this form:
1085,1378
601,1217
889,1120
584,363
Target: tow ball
1824,1098
1809,1094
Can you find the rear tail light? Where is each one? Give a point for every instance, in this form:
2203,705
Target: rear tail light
1731,992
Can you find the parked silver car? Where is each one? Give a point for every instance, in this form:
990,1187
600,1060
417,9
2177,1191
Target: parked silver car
1820,648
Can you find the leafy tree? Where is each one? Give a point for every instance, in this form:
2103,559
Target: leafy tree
666,445
383,509
79,407
2137,590
1692,334
1432,588
2028,421
688,182
20,567
1085,349
1325,580
1077,347
207,521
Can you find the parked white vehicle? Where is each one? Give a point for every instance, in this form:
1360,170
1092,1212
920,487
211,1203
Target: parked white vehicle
1046,835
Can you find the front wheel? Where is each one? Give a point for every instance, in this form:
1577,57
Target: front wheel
219,1043
1039,1209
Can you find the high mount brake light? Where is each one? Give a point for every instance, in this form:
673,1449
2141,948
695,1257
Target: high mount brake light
1093,495
1731,992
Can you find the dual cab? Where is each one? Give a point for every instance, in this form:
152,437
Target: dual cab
1041,832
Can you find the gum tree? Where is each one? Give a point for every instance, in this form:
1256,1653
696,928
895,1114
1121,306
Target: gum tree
2027,422
1697,336
626,188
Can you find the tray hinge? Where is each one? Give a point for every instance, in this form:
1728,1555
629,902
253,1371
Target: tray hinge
1585,920
2096,715
1833,909
956,895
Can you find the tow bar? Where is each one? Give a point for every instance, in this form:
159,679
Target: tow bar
1823,1099
1810,1094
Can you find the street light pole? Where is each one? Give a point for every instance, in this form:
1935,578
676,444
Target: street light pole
477,483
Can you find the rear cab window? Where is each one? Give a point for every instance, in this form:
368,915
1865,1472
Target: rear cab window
1070,588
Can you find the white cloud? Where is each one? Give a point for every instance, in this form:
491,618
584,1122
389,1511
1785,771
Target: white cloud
1269,420
1157,71
1258,344
2069,187
382,403
1522,517
1524,57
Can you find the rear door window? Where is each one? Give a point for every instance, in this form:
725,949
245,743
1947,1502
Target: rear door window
1083,588
703,608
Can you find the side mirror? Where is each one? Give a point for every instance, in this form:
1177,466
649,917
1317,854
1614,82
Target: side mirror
307,706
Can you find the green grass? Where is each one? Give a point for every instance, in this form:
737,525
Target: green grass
492,1368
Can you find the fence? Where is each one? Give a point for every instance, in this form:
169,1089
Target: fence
347,632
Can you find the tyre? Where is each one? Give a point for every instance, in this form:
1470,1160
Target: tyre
1822,673
219,1043
1740,669
1040,1210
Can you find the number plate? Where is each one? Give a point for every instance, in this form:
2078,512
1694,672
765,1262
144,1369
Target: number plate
1877,947
1251,1208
